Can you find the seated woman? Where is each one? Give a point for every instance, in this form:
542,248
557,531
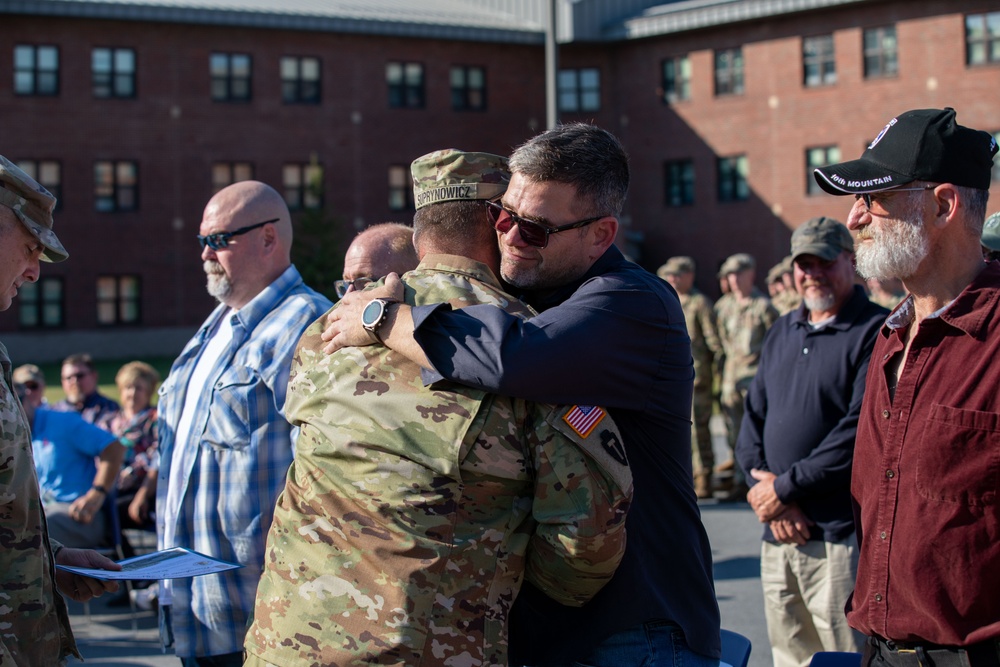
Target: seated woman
73,486
135,426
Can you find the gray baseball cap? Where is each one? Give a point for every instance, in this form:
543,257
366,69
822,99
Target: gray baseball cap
33,205
823,237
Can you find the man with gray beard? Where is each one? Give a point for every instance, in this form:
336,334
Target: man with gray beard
925,474
225,445
796,443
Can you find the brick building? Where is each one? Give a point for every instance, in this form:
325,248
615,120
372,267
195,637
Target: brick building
135,112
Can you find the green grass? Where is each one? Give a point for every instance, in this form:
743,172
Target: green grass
106,371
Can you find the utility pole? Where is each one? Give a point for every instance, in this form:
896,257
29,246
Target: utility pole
551,68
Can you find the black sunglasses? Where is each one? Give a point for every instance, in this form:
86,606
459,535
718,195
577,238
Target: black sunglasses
220,240
532,233
342,287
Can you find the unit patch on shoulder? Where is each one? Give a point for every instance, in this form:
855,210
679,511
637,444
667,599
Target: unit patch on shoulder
584,418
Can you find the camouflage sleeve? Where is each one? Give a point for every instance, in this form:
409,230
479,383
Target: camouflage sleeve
583,487
710,329
770,315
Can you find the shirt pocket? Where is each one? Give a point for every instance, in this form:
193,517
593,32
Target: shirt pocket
959,457
234,410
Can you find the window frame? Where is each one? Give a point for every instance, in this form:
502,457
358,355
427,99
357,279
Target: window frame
732,172
231,168
400,194
729,80
579,91
830,155
823,58
990,42
35,72
113,75
463,94
301,200
117,189
293,90
36,167
679,182
886,59
403,92
119,300
223,83
32,296
669,83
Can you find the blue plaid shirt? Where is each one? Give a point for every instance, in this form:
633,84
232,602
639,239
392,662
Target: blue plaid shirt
244,448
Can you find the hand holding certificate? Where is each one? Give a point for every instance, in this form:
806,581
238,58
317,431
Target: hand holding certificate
176,563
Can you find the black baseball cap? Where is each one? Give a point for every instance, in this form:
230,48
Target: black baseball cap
919,145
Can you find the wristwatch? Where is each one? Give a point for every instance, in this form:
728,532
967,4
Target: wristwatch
374,315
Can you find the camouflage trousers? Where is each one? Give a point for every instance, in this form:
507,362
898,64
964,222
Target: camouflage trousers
702,455
732,412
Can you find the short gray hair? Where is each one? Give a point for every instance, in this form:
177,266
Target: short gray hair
585,156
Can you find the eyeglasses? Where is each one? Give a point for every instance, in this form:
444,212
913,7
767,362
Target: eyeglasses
30,386
220,240
342,287
74,376
532,233
869,197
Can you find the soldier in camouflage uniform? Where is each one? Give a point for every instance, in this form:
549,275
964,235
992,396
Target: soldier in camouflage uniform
34,625
781,287
411,515
743,318
706,348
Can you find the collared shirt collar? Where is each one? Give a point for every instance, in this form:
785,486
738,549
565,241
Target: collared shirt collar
967,312
255,310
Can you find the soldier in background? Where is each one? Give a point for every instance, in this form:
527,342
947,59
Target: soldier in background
743,318
781,287
990,239
705,350
403,533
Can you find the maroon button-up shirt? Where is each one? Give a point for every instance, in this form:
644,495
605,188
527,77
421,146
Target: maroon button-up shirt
926,475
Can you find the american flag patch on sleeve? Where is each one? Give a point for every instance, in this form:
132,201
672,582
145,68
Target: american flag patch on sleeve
584,418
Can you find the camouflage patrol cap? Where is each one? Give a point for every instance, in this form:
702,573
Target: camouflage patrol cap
823,237
32,204
991,232
454,175
779,269
676,266
736,263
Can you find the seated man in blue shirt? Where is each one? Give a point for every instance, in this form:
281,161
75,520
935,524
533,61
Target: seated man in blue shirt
73,486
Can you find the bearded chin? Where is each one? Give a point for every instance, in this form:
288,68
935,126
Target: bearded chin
219,285
895,255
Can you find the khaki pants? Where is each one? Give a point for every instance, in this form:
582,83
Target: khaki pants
805,590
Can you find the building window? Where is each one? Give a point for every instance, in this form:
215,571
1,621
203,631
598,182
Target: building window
881,57
230,77
815,158
48,173
227,173
819,67
982,38
300,80
406,85
468,88
113,72
729,71
303,185
733,173
400,188
579,90
116,186
36,70
679,182
42,305
676,79
118,300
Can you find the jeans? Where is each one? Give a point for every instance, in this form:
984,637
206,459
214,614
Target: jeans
653,644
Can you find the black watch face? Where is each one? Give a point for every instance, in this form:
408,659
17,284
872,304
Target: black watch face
371,313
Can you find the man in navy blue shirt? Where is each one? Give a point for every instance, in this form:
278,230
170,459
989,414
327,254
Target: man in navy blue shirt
796,444
611,334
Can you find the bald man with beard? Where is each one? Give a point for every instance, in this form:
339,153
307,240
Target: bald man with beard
225,445
376,252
